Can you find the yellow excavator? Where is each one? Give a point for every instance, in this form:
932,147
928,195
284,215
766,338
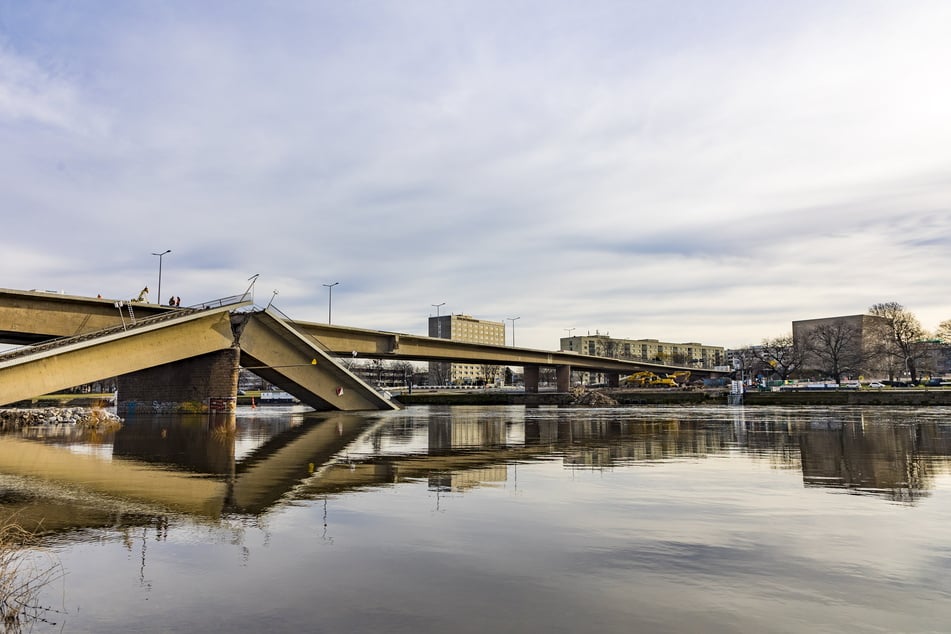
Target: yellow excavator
646,378
639,379
680,376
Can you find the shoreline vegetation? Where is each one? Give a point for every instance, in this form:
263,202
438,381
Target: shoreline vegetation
25,569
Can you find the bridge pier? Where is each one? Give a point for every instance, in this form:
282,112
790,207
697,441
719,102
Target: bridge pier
204,384
563,378
531,375
613,379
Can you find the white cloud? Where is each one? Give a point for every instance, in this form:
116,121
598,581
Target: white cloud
685,172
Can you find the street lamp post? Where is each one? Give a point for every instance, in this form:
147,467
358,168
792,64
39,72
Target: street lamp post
569,331
160,256
330,299
512,319
438,323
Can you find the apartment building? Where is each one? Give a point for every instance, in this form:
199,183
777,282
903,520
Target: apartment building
685,354
695,355
468,329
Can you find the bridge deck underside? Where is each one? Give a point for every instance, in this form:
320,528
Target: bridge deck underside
345,341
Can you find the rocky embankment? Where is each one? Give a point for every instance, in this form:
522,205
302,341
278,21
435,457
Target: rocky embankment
586,398
82,417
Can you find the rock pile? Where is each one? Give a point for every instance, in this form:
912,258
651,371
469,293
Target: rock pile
592,399
82,417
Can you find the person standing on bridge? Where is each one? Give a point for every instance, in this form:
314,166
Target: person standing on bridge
143,295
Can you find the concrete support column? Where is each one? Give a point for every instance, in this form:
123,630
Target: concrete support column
531,378
563,378
206,383
613,379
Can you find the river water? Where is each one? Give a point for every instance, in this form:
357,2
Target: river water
494,519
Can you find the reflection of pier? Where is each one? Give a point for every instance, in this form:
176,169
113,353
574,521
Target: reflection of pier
279,466
258,480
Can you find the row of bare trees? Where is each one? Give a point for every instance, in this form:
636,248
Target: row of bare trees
891,342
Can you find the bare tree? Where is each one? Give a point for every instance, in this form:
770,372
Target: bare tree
782,355
899,336
944,331
837,348
546,375
404,368
489,373
438,372
748,361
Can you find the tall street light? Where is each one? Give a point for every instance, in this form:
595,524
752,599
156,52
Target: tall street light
512,319
160,255
438,323
330,299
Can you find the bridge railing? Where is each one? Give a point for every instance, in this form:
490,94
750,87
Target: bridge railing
222,302
280,314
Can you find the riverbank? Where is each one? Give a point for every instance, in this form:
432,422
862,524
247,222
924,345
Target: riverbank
582,398
620,396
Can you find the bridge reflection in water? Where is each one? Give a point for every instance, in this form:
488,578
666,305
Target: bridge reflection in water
208,466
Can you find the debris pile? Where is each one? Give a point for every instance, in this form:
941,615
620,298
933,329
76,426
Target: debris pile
592,399
82,417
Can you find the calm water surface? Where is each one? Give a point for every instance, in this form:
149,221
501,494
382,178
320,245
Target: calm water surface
496,519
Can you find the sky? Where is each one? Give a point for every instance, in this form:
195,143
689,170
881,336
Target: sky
684,171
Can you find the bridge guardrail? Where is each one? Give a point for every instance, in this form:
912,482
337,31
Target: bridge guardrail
290,322
221,302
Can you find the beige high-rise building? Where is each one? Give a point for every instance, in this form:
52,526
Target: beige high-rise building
468,329
851,339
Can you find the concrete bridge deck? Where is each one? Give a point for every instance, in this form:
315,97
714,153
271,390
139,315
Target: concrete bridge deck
269,344
30,316
185,359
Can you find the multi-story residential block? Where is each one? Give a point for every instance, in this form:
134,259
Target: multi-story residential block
468,329
651,350
686,354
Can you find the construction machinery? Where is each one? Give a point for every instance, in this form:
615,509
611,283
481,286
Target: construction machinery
646,378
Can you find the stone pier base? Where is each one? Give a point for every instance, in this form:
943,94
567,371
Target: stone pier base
203,384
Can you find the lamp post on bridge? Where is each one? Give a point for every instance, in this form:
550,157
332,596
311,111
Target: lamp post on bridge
330,299
512,319
160,256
